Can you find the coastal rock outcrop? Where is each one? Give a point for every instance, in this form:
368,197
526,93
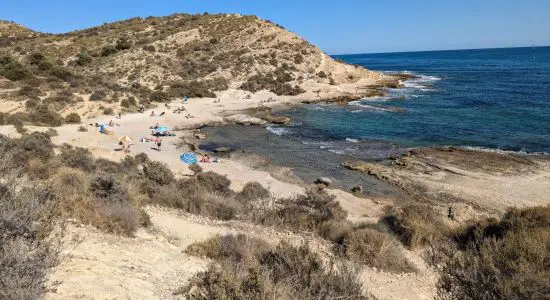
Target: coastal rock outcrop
243,119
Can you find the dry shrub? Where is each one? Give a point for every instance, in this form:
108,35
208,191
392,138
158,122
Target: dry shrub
253,191
101,201
239,248
508,259
72,118
376,249
214,182
30,240
249,268
202,195
305,212
117,217
335,230
416,225
40,169
76,157
158,172
195,168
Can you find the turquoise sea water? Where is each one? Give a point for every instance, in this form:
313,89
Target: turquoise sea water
490,98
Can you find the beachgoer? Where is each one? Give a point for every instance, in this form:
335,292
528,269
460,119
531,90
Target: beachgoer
111,123
205,158
162,114
120,115
152,114
158,141
141,108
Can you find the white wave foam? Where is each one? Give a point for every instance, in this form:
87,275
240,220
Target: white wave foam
340,152
502,151
277,130
369,107
356,111
352,140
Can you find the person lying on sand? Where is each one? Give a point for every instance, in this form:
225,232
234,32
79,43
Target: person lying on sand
205,159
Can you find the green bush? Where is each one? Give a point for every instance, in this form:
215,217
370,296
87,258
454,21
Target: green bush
14,71
123,43
108,50
108,111
83,58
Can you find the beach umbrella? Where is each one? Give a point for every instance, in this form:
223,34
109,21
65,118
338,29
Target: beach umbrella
189,158
162,129
124,139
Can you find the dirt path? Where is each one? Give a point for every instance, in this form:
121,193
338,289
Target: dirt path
152,265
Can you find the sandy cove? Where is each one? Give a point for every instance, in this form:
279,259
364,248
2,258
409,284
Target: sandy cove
151,265
205,111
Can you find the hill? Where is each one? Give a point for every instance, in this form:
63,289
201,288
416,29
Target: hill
157,59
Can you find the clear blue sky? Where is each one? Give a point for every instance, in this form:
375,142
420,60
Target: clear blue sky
343,26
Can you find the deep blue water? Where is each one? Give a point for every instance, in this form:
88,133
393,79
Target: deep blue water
491,98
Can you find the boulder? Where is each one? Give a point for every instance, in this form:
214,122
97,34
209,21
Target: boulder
357,189
243,119
222,150
277,119
323,180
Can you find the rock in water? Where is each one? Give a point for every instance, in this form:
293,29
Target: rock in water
323,180
222,150
277,119
357,189
243,119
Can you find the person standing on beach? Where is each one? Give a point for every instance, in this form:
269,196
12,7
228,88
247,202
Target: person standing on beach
158,141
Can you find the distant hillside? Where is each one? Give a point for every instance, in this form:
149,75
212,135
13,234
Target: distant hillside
160,58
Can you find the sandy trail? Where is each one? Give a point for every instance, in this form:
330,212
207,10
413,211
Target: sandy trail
153,264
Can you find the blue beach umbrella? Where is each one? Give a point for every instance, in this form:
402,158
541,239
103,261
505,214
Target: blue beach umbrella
189,158
162,129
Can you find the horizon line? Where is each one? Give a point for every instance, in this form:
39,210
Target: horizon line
439,50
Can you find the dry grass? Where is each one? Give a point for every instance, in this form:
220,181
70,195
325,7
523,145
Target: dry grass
506,259
248,268
376,249
416,225
29,241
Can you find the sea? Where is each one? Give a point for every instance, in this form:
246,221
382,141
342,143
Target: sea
486,99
